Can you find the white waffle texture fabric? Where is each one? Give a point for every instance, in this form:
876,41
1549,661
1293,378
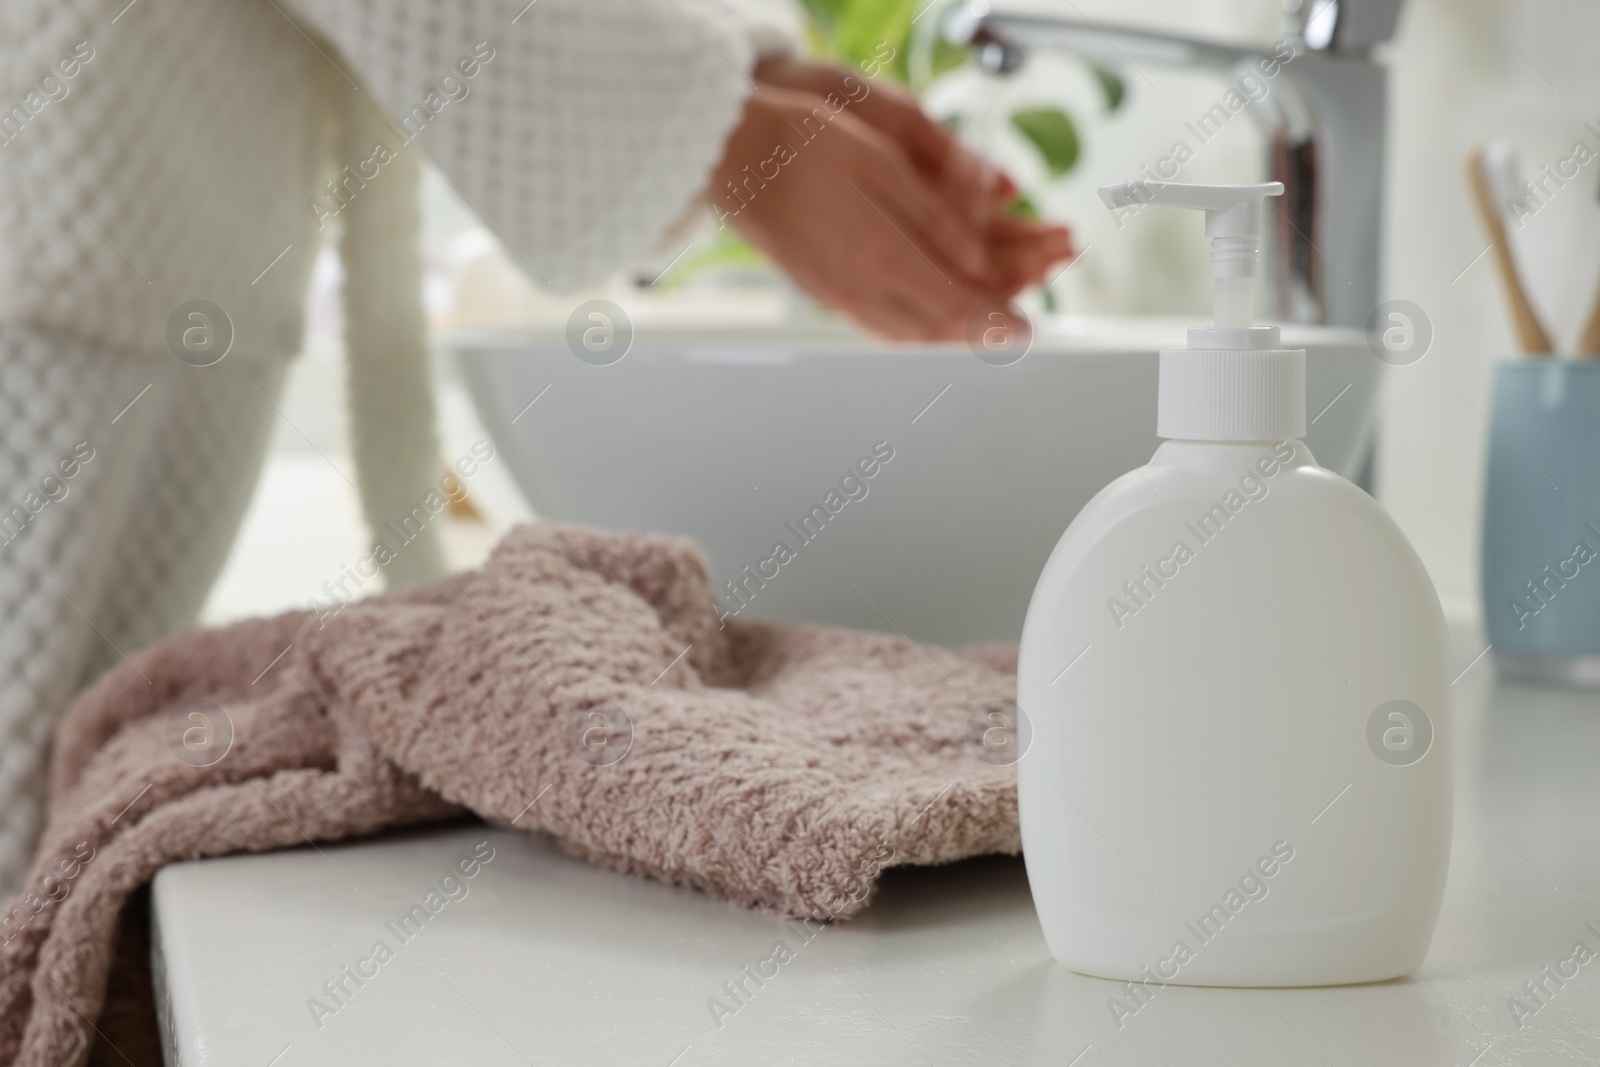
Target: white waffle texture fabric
164,151
123,477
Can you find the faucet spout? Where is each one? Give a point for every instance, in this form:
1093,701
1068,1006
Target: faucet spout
1325,130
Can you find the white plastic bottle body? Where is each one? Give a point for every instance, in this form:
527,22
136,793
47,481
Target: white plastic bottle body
1237,675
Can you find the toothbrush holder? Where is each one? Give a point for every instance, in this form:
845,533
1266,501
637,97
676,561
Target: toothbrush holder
1541,521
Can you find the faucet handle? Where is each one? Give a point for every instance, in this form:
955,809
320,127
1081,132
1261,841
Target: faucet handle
1349,27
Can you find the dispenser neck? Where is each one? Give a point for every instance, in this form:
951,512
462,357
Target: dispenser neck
1233,280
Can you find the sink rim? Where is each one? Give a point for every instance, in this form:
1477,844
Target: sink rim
1063,334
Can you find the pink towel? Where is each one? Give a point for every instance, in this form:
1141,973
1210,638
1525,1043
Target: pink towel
580,684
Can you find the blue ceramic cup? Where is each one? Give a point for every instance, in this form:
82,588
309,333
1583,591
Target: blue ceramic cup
1541,521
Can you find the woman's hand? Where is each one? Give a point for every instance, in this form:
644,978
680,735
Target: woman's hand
873,208
971,186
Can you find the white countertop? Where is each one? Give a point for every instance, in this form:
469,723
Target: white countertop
548,960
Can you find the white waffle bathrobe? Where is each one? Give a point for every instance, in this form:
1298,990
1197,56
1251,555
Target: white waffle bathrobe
163,151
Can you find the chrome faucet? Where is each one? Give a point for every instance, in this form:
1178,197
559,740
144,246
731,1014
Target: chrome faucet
1324,118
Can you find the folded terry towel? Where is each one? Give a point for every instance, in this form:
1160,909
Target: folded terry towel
581,683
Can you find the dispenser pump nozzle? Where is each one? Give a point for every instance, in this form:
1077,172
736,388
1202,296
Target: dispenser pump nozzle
1233,382
1233,222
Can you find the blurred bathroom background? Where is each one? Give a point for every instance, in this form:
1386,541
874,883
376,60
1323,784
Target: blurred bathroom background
1462,72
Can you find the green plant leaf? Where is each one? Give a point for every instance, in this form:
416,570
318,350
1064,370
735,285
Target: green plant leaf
948,56
823,12
1053,133
1024,208
1111,86
874,34
728,251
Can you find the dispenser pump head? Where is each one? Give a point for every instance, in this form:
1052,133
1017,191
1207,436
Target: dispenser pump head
1234,381
1233,222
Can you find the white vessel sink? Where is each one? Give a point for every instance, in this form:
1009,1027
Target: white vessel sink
731,435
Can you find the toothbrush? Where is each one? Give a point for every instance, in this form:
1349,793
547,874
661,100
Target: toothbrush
1492,174
1589,340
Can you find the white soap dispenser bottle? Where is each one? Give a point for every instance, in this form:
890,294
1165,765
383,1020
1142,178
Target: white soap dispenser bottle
1237,676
